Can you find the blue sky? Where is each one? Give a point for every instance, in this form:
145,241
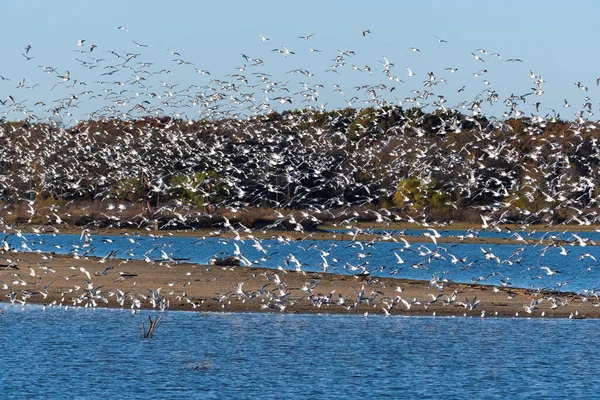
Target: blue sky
554,40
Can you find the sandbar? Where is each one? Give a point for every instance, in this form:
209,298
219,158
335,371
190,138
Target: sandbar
65,281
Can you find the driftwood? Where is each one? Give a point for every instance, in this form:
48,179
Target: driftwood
149,333
199,365
225,261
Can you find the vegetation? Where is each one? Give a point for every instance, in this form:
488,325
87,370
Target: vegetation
443,165
199,189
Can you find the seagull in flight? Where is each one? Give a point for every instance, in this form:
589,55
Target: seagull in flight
477,57
364,33
440,39
399,259
549,271
139,44
283,51
306,37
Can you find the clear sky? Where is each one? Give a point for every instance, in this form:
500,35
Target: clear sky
554,40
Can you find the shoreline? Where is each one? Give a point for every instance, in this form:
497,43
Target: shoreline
321,233
61,280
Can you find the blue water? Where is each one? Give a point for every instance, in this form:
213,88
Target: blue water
477,233
85,353
518,265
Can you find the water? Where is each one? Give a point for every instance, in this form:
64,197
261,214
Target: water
475,233
84,353
518,265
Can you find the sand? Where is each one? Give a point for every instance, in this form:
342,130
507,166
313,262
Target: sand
61,280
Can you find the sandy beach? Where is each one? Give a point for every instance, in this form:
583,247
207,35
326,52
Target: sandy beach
61,280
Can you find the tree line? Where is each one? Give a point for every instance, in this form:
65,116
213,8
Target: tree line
441,165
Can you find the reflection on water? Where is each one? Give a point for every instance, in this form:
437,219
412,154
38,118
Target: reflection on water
82,353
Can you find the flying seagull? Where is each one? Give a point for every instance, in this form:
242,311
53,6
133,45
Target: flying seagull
306,37
139,44
477,57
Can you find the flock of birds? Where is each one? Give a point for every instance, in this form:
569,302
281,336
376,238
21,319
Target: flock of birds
272,289
227,146
125,84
